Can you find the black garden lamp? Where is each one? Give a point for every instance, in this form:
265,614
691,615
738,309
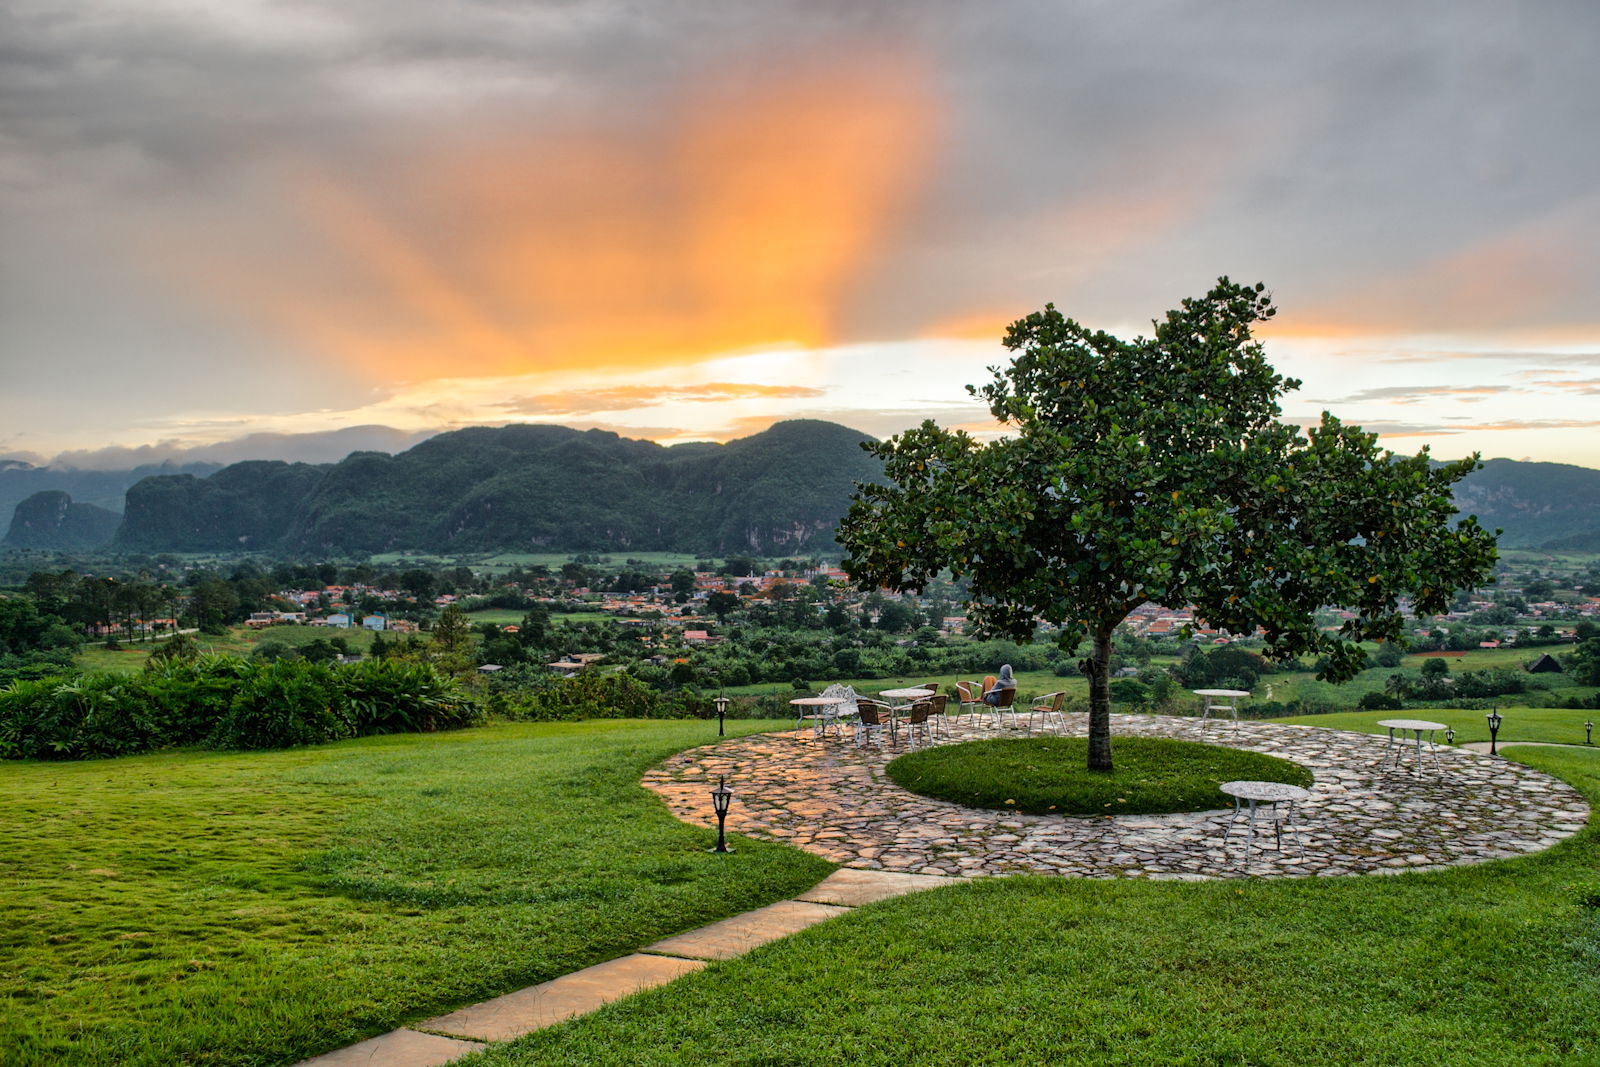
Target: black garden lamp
1495,720
1588,733
1449,735
721,797
722,709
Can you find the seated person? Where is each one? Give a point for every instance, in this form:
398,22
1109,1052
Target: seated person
996,693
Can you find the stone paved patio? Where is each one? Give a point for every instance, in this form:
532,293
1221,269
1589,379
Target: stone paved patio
833,798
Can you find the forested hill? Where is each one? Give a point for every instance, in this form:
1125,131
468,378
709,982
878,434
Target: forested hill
533,488
104,489
50,520
1539,505
549,488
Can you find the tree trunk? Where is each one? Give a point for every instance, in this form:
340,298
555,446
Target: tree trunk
1100,703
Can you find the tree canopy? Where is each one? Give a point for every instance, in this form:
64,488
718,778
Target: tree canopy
1157,470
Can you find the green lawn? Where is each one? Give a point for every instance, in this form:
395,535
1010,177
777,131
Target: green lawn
1492,964
1518,724
204,908
1041,775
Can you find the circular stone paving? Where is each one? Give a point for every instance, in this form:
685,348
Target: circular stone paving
832,797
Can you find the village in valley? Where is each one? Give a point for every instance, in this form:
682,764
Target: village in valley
770,627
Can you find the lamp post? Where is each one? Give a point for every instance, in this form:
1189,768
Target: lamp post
1588,733
1449,735
1494,728
721,797
722,709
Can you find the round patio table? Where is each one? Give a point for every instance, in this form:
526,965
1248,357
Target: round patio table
1273,793
909,694
1221,700
1416,727
812,708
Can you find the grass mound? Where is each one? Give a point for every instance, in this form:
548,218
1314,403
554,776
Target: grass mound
1046,775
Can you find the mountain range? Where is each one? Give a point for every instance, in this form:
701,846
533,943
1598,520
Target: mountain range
550,488
521,487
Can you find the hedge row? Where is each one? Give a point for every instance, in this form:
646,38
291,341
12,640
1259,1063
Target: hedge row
226,703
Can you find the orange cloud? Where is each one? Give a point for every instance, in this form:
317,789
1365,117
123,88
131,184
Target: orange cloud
1525,279
628,397
974,326
742,218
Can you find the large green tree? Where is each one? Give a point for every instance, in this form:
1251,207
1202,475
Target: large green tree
1157,470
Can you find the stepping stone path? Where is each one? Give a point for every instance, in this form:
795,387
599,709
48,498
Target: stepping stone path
833,798
449,1037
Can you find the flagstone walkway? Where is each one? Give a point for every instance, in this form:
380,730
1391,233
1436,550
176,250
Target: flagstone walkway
833,798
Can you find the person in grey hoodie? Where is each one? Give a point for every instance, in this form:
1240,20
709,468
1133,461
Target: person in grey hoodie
1005,681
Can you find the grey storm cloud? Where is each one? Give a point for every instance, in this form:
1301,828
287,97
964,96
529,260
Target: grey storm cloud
326,447
1426,160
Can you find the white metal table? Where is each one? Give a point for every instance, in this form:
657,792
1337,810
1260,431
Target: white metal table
910,695
1273,793
1220,700
1416,727
815,709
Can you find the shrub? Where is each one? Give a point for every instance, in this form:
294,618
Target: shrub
396,696
282,704
72,718
186,699
25,732
1378,701
1129,691
591,694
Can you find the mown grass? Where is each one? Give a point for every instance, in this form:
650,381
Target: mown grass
1559,725
201,908
1491,964
1045,775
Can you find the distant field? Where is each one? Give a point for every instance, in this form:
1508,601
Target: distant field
238,642
1483,658
498,616
1540,555
129,658
503,561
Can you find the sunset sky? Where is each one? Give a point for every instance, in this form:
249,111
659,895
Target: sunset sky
230,228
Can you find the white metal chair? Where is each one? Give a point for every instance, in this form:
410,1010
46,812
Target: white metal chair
836,714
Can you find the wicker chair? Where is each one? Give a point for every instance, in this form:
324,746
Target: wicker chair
970,696
1005,701
916,719
1048,707
872,717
